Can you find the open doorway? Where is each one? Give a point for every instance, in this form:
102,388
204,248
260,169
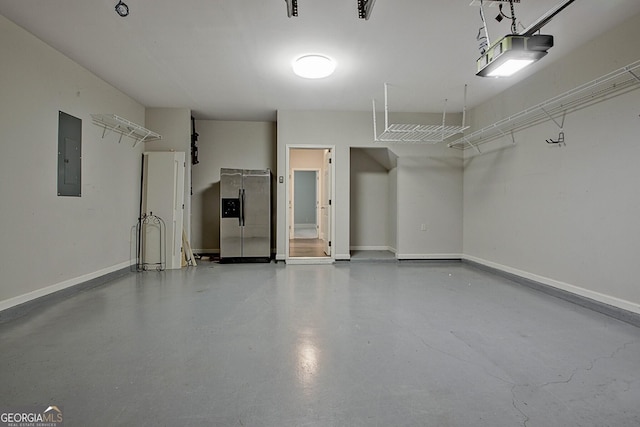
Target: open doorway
373,204
306,204
309,214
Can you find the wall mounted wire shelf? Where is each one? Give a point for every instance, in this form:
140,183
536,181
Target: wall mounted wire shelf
114,123
608,86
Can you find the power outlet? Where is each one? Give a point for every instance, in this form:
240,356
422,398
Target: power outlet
423,227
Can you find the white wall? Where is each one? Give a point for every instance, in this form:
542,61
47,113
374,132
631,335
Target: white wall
565,216
225,144
442,206
51,242
306,159
429,193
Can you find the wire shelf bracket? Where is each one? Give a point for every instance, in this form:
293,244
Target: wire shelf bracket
117,124
413,133
608,86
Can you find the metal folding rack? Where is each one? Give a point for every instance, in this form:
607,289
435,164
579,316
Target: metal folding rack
413,133
150,231
113,123
605,87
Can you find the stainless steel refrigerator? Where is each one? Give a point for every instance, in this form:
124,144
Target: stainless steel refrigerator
245,215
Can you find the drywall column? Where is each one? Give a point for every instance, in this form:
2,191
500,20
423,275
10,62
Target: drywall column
392,225
429,214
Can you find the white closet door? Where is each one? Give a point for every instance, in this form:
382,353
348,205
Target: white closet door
164,197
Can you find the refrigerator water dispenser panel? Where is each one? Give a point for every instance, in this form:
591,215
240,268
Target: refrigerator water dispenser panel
230,208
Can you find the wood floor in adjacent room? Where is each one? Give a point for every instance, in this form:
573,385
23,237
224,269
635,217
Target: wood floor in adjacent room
306,248
350,344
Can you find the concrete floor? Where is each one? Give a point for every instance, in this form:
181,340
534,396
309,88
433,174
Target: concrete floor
363,344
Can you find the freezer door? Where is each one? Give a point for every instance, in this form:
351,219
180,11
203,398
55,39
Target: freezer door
257,213
230,213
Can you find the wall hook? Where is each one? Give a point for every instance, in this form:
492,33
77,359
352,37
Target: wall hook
559,141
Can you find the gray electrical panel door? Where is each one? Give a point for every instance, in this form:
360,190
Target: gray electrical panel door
69,155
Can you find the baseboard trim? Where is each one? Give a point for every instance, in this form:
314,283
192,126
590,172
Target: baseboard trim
427,257
18,306
369,248
206,251
617,308
310,261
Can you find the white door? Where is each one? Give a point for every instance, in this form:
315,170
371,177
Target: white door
164,197
325,205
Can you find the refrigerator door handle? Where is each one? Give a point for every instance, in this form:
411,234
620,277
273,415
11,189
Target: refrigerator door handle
242,207
241,213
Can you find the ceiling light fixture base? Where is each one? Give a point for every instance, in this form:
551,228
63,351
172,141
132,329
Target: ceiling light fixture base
122,9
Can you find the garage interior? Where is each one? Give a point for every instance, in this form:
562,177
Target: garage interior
478,269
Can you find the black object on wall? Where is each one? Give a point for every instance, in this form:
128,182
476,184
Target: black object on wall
69,155
194,140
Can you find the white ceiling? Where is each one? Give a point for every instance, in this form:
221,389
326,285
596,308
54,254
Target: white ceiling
231,59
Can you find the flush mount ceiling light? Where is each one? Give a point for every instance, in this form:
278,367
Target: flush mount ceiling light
314,66
122,9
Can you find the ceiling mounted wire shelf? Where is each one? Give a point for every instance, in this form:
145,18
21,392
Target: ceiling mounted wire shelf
490,3
124,127
605,87
418,133
415,133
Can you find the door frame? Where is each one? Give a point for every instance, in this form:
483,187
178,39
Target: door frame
288,202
